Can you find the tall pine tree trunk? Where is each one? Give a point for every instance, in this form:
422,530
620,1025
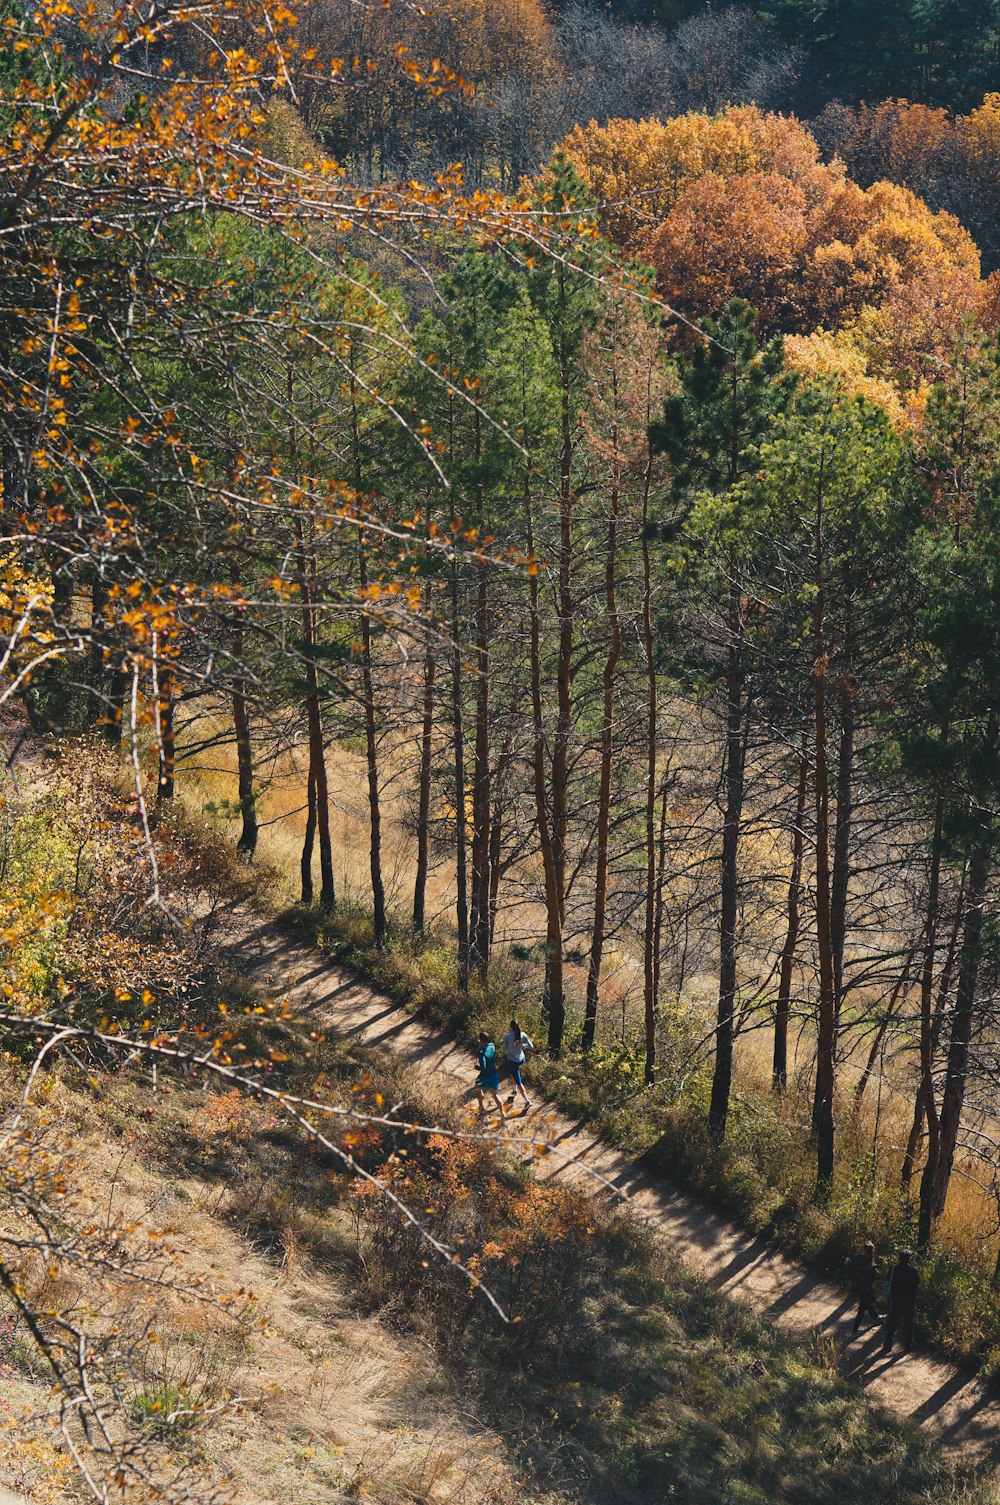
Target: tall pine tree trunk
840,882
650,936
247,843
308,586
942,993
937,1172
479,931
661,870
564,666
367,686
424,789
722,1076
308,839
822,1115
165,736
371,759
314,724
779,1065
496,843
458,743
553,1001
607,755
925,1107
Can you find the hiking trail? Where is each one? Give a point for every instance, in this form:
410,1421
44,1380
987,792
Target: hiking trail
948,1403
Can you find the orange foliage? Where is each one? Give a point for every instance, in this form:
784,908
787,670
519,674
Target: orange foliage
979,136
989,311
904,277
229,1120
745,237
739,204
897,140
485,40
525,1242
639,169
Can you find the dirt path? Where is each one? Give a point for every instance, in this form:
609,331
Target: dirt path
948,1403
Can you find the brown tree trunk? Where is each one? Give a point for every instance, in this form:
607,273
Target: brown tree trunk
651,928
367,687
308,839
553,1001
424,793
937,1172
247,843
479,931
654,891
496,837
165,739
779,1066
822,1116
722,1076
314,711
314,723
661,868
925,1108
842,835
607,754
564,668
458,740
371,758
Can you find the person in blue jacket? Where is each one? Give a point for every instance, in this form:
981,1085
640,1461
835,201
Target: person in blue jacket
488,1079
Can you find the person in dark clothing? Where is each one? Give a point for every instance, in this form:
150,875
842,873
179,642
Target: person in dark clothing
903,1285
865,1286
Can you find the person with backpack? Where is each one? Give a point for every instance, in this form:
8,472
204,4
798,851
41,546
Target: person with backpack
488,1079
903,1284
515,1046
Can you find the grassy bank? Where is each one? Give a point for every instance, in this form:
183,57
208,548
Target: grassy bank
352,1363
615,1380
763,1175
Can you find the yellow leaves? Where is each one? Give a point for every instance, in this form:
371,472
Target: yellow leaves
836,357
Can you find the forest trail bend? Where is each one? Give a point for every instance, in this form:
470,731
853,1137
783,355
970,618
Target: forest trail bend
948,1403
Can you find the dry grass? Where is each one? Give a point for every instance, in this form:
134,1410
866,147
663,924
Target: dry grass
318,1404
207,786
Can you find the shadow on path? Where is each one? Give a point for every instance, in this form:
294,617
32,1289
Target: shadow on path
956,1407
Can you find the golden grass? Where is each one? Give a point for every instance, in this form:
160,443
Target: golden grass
207,785
335,1405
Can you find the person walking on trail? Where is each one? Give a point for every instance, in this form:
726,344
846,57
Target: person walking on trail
515,1046
864,1279
488,1079
903,1284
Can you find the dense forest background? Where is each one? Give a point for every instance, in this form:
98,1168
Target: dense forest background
901,106
528,478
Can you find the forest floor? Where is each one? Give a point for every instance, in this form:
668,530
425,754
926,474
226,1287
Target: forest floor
953,1406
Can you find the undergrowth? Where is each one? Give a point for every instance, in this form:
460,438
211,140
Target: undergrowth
610,1376
613,1378
764,1173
